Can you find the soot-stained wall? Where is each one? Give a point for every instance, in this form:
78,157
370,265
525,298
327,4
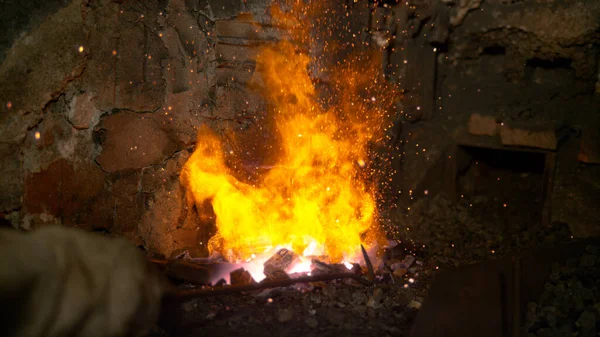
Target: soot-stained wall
101,100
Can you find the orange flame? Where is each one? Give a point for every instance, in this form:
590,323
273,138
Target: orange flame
316,199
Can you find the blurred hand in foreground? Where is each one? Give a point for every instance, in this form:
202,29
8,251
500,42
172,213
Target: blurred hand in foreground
59,281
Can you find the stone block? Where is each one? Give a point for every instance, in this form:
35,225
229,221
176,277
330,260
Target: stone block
127,203
139,82
482,125
182,114
235,103
154,178
235,54
528,138
259,10
245,32
132,141
161,226
120,205
241,277
82,111
236,77
226,9
63,190
124,68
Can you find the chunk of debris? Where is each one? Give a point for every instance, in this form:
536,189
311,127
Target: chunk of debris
378,294
372,303
415,305
400,272
279,262
311,322
359,297
277,275
405,264
285,315
320,267
241,276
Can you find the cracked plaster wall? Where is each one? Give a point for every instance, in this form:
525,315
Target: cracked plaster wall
101,101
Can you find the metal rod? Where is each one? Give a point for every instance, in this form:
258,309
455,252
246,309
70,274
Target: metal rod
195,293
371,274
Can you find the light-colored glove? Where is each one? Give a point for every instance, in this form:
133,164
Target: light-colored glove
58,281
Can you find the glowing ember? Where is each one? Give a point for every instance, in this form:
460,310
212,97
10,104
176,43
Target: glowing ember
315,200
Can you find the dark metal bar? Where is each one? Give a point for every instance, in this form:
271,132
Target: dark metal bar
368,263
195,293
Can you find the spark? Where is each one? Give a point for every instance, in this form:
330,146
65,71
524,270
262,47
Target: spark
37,135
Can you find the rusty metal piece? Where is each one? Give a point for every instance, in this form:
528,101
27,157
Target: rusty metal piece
195,293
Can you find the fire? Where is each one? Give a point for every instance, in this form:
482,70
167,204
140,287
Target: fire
316,200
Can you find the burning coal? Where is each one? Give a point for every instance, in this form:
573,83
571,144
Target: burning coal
317,200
